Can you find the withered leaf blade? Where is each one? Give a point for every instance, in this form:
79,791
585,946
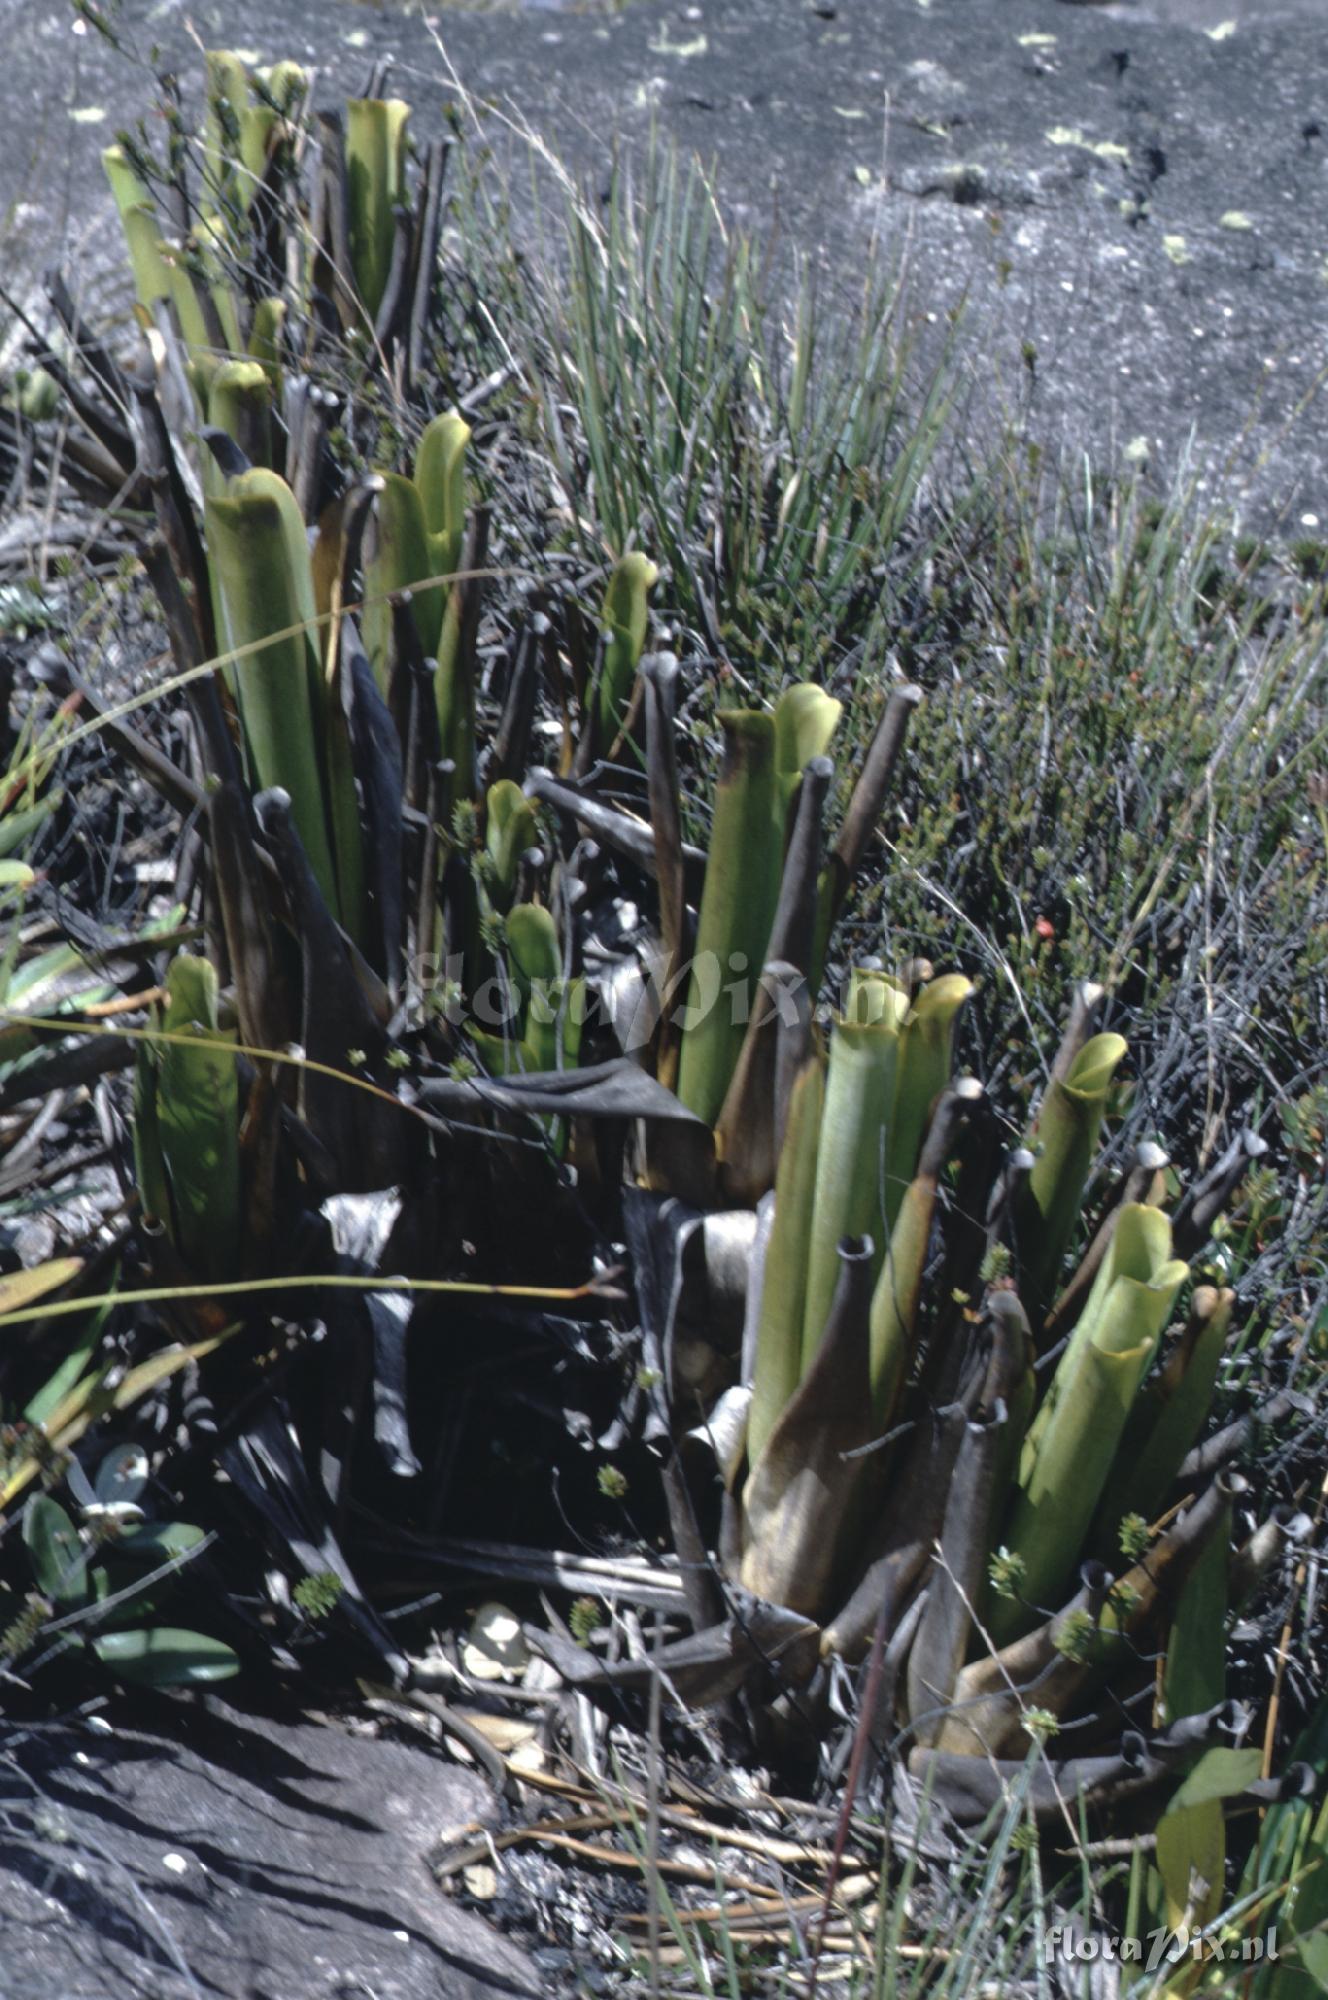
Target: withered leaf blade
361,1228
377,752
267,1468
613,1089
805,1491
703,1668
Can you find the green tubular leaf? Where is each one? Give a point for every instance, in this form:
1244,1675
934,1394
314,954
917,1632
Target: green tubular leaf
440,474
150,1179
532,939
536,958
227,99
922,1070
858,1091
895,1300
166,1656
265,336
1070,1446
211,247
198,1119
1166,1420
258,122
257,542
875,999
1140,1251
456,699
186,296
778,1364
898,1293
624,617
375,185
399,560
1191,1835
138,218
806,718
803,1501
1067,1134
509,829
240,403
1195,1679
737,908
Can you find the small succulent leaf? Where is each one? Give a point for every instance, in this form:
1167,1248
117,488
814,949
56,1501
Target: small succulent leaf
166,1656
156,1542
121,1476
59,1559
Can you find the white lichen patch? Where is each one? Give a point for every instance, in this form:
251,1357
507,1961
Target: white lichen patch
1036,41
1236,218
89,114
662,46
1176,249
1072,135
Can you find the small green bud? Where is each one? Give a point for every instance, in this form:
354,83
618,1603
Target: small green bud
996,1264
1075,1638
318,1595
583,1618
1007,1572
1041,1725
1135,1535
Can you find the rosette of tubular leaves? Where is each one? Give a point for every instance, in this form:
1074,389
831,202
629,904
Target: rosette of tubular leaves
959,1454
951,1445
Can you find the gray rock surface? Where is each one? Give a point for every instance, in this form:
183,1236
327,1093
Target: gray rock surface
1126,198
214,1854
